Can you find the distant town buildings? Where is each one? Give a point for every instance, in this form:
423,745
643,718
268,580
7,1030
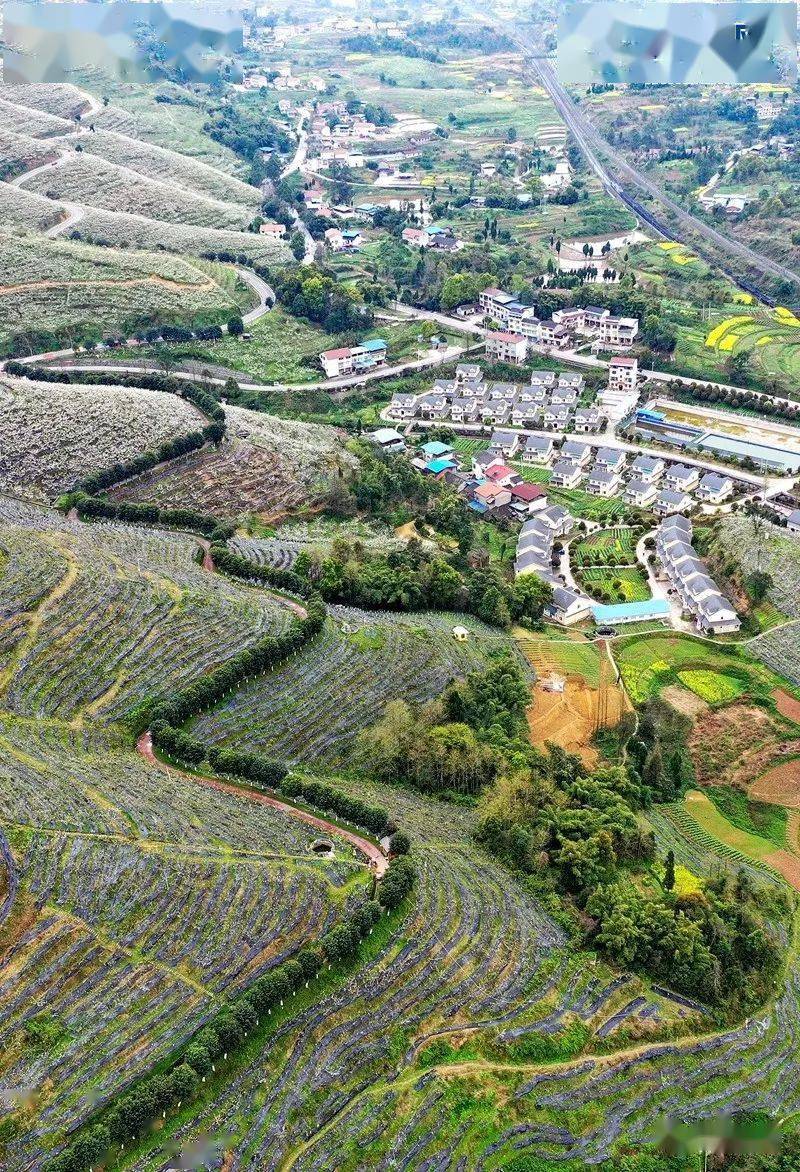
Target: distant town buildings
353,359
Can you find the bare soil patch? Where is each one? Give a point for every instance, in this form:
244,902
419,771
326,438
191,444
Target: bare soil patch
787,705
736,745
786,865
569,718
684,700
780,785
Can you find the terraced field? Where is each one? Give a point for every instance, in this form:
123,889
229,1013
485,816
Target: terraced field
268,466
311,708
52,435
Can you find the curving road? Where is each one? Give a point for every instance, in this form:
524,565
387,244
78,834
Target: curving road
376,859
593,145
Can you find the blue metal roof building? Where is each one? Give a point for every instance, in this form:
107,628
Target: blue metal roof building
630,612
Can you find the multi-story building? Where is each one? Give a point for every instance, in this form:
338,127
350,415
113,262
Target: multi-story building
617,333
506,347
353,359
623,374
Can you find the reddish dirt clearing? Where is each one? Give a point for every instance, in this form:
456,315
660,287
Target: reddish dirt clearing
787,705
780,785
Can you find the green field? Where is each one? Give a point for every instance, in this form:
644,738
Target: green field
614,584
650,663
614,546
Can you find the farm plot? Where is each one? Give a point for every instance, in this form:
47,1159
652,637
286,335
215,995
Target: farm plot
268,466
50,285
116,629
169,167
608,547
318,535
102,226
311,708
650,664
735,744
91,180
22,210
52,435
614,584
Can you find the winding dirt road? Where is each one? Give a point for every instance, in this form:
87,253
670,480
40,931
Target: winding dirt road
377,861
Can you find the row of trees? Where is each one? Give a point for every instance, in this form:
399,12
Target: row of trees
135,1111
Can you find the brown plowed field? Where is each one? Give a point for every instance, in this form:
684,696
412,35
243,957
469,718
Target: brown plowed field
779,785
787,705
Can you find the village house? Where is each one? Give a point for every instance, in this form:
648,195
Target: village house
671,500
793,521
714,489
576,450
492,302
491,495
433,407
468,372
465,410
566,474
403,405
353,359
588,420
527,499
617,333
612,459
555,418
564,396
388,440
557,519
497,411
543,378
647,468
334,240
681,477
505,443
505,347
435,449
640,493
272,229
552,334
697,591
500,473
623,374
568,607
538,449
603,482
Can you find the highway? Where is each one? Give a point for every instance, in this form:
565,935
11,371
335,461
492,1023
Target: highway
605,159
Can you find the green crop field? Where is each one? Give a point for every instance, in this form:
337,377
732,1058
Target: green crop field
617,584
649,664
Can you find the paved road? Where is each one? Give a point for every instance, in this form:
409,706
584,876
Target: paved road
299,157
265,293
593,146
75,213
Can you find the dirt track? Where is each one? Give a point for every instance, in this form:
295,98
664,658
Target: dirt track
378,862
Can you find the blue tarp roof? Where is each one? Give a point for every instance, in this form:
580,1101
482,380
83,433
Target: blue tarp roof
437,466
374,344
436,448
617,612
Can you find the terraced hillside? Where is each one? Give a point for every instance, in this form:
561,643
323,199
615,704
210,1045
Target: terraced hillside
121,614
267,466
57,286
312,707
71,165
52,435
134,905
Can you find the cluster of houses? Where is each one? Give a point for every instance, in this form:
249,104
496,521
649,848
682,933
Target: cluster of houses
549,402
689,578
441,237
604,329
648,483
353,359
